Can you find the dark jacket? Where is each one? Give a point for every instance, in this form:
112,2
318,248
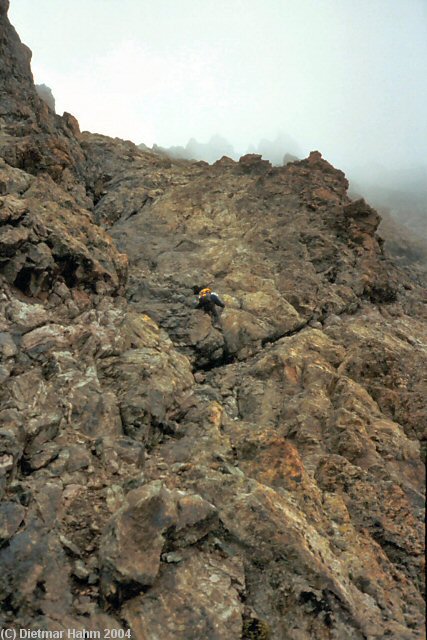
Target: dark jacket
209,300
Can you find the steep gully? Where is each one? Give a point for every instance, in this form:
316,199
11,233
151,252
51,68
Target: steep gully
160,476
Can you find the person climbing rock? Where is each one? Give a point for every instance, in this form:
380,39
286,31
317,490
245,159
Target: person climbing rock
208,301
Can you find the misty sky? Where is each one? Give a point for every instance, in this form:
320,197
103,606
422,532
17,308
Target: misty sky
347,77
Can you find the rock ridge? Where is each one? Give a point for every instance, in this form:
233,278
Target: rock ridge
258,479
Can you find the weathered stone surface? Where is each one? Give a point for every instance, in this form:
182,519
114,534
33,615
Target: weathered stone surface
11,516
55,242
7,346
199,598
26,316
32,137
196,518
131,547
260,477
149,382
34,558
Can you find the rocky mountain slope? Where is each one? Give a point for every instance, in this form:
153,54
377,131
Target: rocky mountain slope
263,479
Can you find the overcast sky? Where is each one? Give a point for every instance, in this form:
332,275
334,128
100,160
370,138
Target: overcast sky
347,77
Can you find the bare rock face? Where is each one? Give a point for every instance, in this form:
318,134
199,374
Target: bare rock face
32,137
199,597
46,239
260,477
130,549
132,545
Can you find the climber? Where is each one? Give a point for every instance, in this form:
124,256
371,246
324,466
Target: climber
208,301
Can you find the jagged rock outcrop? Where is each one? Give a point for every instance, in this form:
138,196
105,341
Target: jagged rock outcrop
45,93
32,137
259,479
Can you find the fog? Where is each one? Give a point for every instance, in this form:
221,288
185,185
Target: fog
45,93
226,77
279,151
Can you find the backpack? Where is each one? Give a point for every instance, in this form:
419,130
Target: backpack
205,293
